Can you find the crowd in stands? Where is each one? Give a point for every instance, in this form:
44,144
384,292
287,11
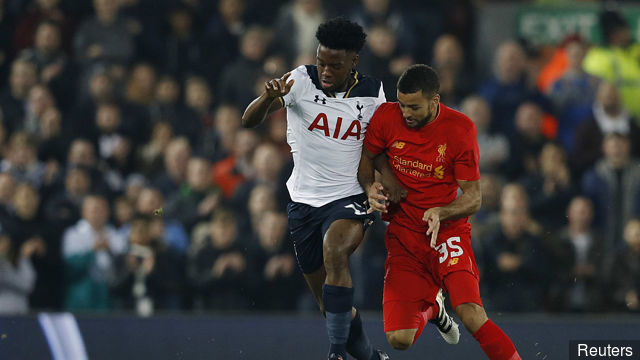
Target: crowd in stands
128,184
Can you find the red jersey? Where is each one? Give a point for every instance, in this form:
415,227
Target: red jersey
427,161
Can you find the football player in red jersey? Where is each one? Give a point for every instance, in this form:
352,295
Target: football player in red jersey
432,151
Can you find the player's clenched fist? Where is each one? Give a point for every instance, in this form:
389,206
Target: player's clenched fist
278,87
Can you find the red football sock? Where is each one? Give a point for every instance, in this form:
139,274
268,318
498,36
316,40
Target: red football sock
430,313
495,343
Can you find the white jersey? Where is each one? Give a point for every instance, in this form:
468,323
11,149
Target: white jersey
326,134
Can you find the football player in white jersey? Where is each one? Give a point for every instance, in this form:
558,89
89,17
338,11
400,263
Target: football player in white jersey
329,106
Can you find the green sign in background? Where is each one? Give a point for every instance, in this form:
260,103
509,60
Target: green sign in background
550,24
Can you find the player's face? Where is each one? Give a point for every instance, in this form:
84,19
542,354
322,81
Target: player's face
334,68
418,109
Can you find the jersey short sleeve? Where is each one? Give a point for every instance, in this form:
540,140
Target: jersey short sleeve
297,74
375,137
466,161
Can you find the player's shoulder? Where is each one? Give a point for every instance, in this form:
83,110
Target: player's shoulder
388,107
366,86
458,120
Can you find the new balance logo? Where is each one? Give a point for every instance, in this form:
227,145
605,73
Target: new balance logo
324,100
398,144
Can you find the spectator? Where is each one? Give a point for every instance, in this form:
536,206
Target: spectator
573,93
150,155
198,98
216,269
608,115
53,143
43,11
104,38
7,189
225,28
82,154
456,79
236,168
219,142
167,107
22,162
618,61
39,100
13,98
141,85
174,234
579,262
88,249
147,276
514,260
273,266
551,187
372,13
63,208
182,53
613,187
197,198
17,275
238,78
54,68
526,143
176,157
626,273
494,148
298,22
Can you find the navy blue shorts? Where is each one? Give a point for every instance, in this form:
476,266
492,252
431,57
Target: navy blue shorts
308,224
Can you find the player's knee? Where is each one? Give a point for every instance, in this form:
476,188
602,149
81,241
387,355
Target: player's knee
335,256
399,341
472,316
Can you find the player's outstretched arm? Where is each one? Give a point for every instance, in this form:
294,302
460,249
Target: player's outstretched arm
268,102
394,191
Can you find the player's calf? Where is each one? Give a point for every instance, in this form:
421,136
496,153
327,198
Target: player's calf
401,339
472,316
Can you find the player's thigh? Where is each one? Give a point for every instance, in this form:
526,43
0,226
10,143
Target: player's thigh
409,289
343,237
305,230
456,268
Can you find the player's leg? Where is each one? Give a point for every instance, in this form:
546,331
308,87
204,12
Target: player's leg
340,241
407,288
465,299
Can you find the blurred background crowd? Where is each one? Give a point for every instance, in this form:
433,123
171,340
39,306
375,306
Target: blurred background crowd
127,183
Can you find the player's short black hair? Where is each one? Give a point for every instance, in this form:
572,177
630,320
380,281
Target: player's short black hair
341,34
419,77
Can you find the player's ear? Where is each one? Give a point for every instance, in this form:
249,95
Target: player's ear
436,99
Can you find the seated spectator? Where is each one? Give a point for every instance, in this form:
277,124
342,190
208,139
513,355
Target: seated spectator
147,276
494,148
22,77
40,99
514,261
197,198
237,168
613,187
82,154
526,143
579,262
88,249
150,155
216,269
183,48
22,162
63,208
273,267
198,98
456,79
53,143
17,275
297,21
608,116
166,106
141,85
573,93
149,203
626,272
43,11
551,187
54,68
219,142
225,27
104,38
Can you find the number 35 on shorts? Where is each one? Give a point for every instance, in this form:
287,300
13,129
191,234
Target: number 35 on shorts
449,249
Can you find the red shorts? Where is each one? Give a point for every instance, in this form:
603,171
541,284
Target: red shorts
414,272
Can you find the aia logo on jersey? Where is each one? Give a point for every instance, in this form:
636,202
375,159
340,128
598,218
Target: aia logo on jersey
398,145
442,149
322,123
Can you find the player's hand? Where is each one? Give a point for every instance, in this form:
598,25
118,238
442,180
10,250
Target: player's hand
377,199
278,87
393,190
432,218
